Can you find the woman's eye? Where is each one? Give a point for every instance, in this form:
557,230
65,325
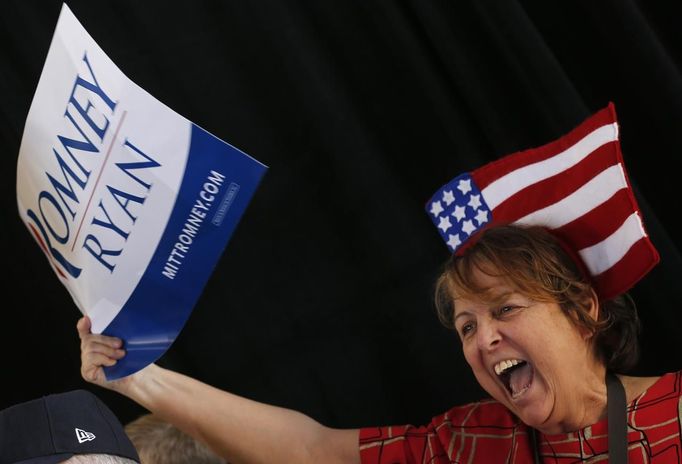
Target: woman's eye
506,309
467,328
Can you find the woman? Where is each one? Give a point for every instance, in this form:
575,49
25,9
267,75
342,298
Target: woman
541,314
536,337
540,343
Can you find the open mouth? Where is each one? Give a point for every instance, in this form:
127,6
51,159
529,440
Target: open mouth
516,375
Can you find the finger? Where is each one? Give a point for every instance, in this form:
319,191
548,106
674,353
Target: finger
90,340
90,373
83,326
96,360
108,362
93,374
108,347
106,350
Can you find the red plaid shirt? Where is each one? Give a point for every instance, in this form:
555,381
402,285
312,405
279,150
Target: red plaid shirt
487,433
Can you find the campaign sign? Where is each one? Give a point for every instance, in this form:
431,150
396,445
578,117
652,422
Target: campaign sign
132,203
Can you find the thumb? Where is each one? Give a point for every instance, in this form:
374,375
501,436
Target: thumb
83,326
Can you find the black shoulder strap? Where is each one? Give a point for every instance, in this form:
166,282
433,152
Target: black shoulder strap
617,414
534,444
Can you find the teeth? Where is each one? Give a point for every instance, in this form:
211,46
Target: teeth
520,392
502,366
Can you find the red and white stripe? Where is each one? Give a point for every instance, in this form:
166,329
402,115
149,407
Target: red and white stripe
576,186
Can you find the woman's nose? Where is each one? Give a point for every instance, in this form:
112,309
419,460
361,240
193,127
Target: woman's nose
487,335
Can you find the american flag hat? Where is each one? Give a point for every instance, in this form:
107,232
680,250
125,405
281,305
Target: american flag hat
575,186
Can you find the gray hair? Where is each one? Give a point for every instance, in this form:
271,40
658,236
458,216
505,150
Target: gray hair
160,442
98,459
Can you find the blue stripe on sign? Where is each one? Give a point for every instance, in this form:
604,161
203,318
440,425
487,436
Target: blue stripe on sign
188,251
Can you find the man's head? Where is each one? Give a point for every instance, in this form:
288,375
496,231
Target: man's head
61,427
98,459
159,442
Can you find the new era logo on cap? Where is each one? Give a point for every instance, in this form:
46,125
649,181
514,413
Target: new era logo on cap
42,430
84,436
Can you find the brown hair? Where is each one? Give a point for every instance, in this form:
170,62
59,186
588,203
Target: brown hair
158,442
533,261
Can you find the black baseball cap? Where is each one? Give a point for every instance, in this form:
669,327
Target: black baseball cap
55,427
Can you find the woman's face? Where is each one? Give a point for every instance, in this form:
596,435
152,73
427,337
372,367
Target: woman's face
526,354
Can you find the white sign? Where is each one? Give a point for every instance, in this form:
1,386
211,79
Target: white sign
131,202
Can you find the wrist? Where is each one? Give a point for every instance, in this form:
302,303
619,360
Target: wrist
137,386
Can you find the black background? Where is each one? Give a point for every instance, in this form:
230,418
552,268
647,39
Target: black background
322,300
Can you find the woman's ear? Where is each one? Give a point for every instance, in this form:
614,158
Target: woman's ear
593,309
594,306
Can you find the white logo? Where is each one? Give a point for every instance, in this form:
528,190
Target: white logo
84,436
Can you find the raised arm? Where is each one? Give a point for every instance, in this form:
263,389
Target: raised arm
238,429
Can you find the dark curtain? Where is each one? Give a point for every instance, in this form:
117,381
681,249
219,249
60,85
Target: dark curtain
322,301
